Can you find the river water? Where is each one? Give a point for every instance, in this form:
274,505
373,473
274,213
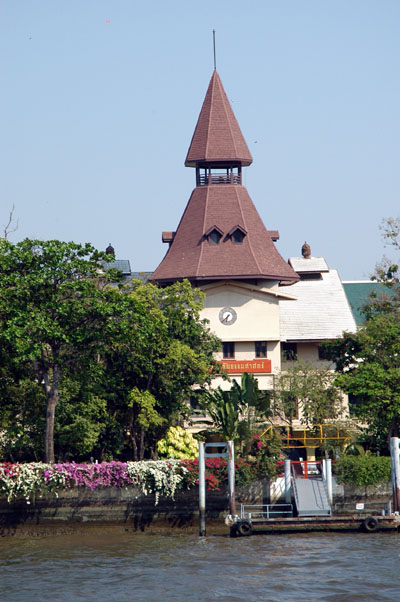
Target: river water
120,565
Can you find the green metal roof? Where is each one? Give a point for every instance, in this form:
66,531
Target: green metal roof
122,265
358,294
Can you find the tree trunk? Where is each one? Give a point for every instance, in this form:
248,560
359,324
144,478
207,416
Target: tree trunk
134,447
49,435
52,397
141,450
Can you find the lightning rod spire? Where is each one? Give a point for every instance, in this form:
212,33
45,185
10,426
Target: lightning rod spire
215,56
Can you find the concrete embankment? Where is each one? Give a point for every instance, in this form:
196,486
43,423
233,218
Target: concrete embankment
127,506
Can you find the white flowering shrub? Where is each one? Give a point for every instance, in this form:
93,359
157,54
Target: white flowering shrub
29,479
157,477
178,443
161,478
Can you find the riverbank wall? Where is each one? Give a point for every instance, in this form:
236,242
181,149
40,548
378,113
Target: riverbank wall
128,506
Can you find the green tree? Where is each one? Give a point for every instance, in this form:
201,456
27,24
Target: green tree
308,391
53,312
118,364
369,365
387,273
22,400
163,350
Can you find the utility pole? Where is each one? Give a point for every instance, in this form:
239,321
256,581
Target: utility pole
229,454
395,469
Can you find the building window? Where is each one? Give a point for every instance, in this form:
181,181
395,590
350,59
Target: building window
214,237
261,348
228,350
289,352
238,236
310,276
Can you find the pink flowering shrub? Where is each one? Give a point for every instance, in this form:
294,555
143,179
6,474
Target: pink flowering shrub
161,478
106,474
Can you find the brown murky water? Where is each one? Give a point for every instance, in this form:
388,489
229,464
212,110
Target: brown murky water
117,565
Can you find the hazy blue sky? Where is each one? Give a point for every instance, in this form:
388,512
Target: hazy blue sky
97,117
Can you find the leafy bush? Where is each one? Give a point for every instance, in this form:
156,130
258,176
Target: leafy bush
363,470
216,472
178,443
265,456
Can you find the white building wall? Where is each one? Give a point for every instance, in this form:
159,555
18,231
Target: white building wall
257,319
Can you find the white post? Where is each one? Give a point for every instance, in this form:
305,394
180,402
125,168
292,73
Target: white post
202,491
231,478
328,468
324,469
288,493
395,464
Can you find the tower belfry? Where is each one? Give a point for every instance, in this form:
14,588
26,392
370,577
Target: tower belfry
217,150
221,235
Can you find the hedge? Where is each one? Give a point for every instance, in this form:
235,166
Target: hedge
363,470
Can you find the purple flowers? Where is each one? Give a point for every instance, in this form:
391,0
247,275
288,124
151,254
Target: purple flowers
106,474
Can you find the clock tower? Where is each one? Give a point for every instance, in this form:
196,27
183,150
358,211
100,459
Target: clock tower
222,246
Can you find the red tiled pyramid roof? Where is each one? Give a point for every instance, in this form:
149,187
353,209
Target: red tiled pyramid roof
192,256
217,136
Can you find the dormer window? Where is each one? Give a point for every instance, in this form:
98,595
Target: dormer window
213,235
237,234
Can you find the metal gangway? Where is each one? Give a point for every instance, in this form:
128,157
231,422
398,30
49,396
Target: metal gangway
310,489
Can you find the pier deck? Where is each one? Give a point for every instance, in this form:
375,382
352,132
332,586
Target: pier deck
368,524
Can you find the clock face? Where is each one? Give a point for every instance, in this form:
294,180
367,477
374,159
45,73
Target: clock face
227,316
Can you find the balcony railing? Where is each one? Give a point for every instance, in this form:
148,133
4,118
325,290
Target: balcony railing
215,178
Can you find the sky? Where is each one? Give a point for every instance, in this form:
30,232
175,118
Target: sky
100,99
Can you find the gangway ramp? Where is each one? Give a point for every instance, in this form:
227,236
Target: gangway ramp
311,496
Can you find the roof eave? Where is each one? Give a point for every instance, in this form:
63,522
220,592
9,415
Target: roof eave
203,278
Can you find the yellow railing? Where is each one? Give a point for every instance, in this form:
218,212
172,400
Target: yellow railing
307,436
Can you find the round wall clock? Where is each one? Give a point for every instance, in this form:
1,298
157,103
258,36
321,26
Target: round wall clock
227,316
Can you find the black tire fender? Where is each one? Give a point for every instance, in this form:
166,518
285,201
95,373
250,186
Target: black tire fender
370,524
245,528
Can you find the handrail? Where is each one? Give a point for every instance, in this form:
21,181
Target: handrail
382,507
205,180
325,486
306,435
308,467
293,479
258,511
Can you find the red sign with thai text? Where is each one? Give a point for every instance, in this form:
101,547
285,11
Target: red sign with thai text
260,366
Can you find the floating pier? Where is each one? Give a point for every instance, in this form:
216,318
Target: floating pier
309,485
276,518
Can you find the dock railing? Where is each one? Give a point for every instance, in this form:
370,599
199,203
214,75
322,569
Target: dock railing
294,486
256,512
364,508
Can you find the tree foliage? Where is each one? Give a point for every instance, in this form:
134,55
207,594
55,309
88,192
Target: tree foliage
387,270
369,365
308,391
387,273
369,361
116,364
52,312
235,412
164,355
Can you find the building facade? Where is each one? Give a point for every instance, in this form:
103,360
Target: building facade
261,307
